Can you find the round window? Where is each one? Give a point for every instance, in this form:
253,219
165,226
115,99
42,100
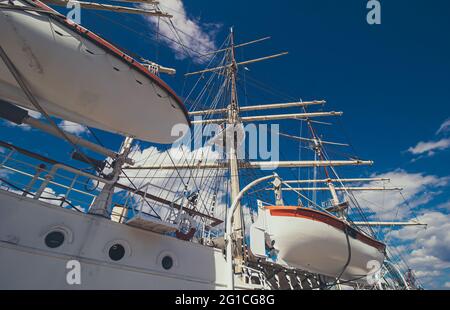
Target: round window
167,262
116,252
54,239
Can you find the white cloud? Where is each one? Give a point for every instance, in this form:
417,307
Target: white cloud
248,218
418,189
430,147
444,127
34,114
170,184
428,250
21,126
426,274
444,206
447,285
49,195
73,128
192,33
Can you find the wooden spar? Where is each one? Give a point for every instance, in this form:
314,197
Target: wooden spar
187,167
263,118
251,42
289,116
261,59
108,7
247,62
319,122
75,139
361,189
207,70
337,180
304,164
281,105
258,165
261,107
315,141
389,224
237,46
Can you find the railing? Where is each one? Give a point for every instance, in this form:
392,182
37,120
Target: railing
250,274
63,185
28,177
43,179
136,203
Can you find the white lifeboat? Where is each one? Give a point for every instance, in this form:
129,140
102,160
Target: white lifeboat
80,77
315,241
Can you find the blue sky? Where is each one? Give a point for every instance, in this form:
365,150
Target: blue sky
391,80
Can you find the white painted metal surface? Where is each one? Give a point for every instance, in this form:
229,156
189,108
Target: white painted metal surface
79,81
150,223
27,263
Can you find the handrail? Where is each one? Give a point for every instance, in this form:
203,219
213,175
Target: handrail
141,189
50,182
62,199
29,165
57,167
192,212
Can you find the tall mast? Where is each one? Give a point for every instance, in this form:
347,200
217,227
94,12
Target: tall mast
233,120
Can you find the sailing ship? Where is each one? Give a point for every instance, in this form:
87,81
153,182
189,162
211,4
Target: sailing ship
147,219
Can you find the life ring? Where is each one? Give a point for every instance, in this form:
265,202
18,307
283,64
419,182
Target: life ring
186,236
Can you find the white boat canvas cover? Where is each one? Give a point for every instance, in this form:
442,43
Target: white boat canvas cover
80,77
316,242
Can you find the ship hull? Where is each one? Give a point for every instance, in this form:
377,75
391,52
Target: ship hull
317,242
78,76
27,263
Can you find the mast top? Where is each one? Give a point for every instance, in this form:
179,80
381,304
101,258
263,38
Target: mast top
233,65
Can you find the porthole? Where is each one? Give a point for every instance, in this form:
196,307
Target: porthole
167,262
54,239
116,252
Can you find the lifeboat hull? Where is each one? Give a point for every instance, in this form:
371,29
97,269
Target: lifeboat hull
316,242
78,76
